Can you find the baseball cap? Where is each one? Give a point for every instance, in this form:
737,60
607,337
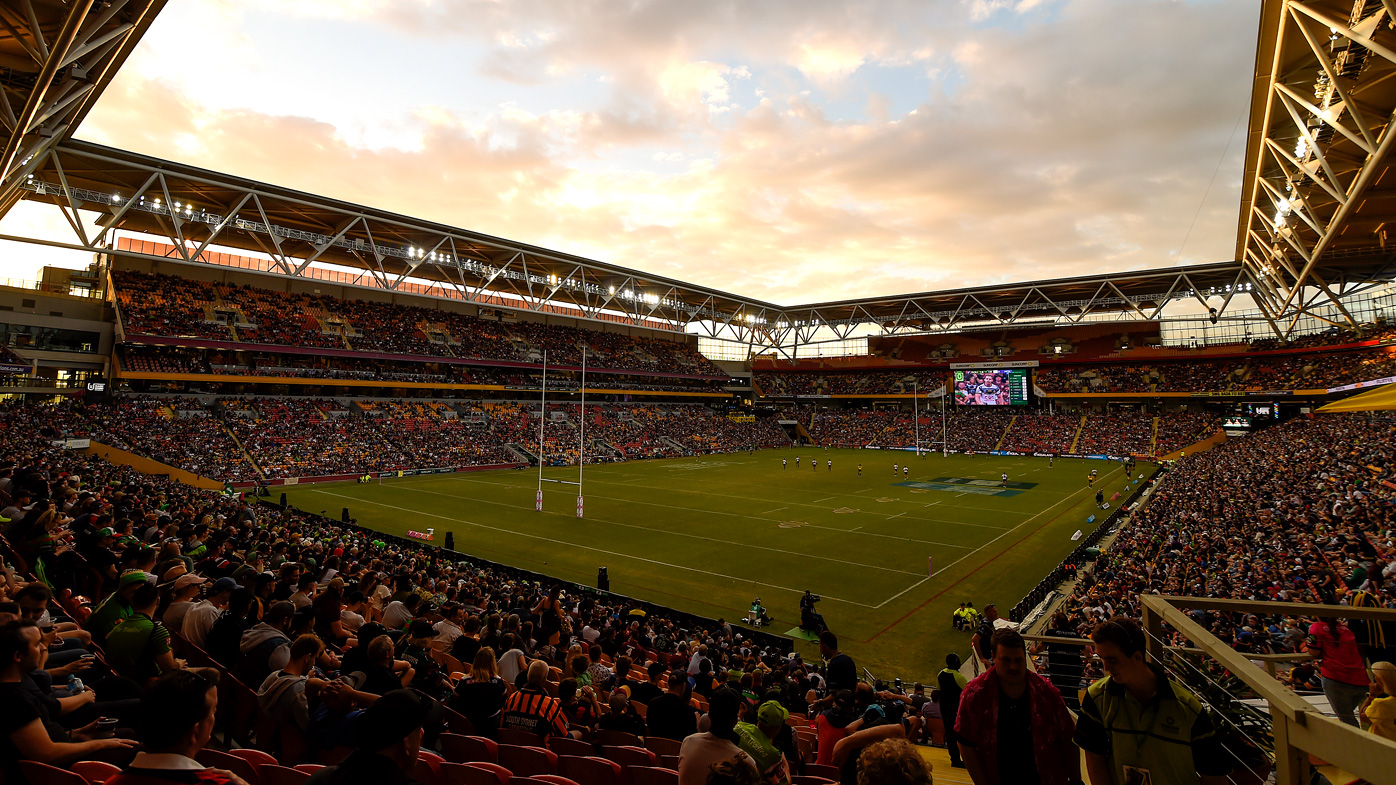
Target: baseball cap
224,584
771,714
105,532
422,628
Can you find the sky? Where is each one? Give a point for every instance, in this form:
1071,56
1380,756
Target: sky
789,151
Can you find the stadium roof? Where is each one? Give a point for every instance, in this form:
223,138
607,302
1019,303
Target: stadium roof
1317,201
1313,222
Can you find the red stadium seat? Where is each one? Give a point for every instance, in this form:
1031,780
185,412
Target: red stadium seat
95,771
427,769
552,779
662,746
821,770
466,749
228,762
590,771
282,775
519,738
653,775
618,738
806,779
527,761
44,774
566,745
479,774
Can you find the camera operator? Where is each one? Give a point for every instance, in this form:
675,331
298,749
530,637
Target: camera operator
809,619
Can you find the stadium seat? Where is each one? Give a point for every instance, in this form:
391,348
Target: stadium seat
566,745
458,723
466,749
653,775
806,779
618,738
552,779
237,765
527,761
480,774
821,770
518,738
630,756
44,774
95,772
283,775
590,770
662,746
427,769
256,758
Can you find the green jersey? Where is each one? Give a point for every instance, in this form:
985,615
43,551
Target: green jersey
769,760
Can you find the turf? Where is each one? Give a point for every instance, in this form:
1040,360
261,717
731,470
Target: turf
709,534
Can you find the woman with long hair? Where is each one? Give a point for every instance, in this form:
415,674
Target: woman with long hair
480,696
549,613
1344,676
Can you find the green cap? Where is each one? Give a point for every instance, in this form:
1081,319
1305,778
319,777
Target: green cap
771,714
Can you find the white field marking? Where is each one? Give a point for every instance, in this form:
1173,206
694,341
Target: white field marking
898,515
778,509
585,547
856,528
452,478
982,547
665,531
825,499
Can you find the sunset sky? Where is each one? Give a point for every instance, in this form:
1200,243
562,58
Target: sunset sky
790,151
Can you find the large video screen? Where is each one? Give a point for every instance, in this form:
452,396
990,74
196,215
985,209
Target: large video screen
992,387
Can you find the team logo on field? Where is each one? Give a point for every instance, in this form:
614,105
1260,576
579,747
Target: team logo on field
885,499
791,524
845,510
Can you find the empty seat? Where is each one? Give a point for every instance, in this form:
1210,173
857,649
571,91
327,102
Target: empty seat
590,770
527,761
662,746
466,749
44,774
566,745
618,738
479,773
652,775
630,756
236,764
520,738
95,771
283,775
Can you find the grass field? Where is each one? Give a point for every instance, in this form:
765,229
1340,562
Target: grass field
707,535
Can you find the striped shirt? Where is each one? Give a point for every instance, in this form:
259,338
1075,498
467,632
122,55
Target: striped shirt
532,710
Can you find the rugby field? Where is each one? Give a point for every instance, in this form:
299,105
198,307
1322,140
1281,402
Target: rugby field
707,535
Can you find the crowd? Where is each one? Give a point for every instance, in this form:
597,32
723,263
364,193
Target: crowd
797,383
201,609
170,306
1250,374
184,360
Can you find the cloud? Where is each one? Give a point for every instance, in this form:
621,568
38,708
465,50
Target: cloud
793,152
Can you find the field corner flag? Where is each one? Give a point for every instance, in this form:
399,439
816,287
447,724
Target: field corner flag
538,503
930,566
579,506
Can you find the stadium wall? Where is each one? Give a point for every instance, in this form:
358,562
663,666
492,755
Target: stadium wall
147,466
377,475
1193,449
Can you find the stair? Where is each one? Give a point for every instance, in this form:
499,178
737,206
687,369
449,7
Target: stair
1153,440
1077,437
242,449
676,445
522,454
1004,435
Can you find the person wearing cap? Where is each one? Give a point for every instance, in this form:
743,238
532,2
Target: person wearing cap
700,752
186,588
201,616
757,740
138,647
387,738
116,606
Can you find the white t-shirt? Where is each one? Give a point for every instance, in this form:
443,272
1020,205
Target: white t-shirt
396,616
198,620
447,632
701,750
350,620
174,615
512,664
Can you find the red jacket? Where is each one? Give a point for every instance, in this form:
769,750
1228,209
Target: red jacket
978,722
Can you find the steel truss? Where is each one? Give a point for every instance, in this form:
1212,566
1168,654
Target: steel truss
56,58
1313,195
197,210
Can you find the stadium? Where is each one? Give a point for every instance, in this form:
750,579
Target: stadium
527,516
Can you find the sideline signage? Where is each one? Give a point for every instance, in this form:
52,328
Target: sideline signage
993,366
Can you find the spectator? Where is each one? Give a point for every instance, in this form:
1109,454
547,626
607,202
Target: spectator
387,738
201,616
531,709
282,696
480,695
892,762
116,606
139,647
1380,706
186,588
1345,682
840,670
1137,700
177,715
1012,724
983,637
27,732
266,647
623,716
670,716
701,752
757,740
225,637
951,685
